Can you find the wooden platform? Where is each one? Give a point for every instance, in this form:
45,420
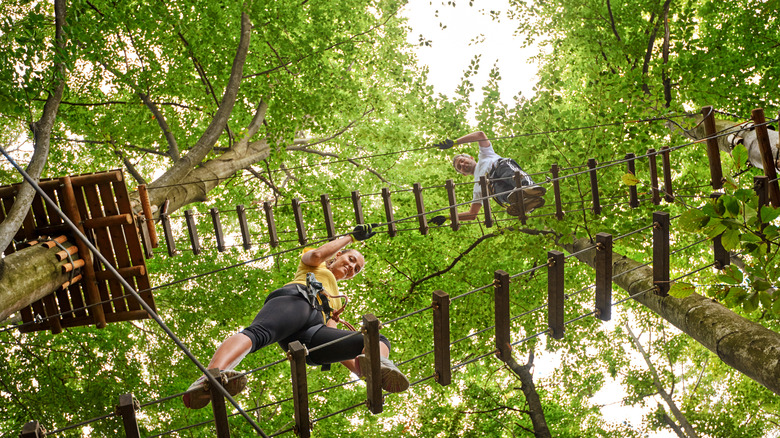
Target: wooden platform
99,204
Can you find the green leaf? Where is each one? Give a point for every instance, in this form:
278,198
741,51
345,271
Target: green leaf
740,155
693,220
681,289
750,303
630,179
731,275
732,205
761,285
768,214
730,239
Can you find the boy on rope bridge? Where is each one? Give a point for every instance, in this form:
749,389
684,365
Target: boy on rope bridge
304,310
499,171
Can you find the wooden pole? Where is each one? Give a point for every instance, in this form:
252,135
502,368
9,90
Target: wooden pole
218,406
667,168
441,337
143,196
651,157
297,357
327,213
713,152
33,429
518,177
766,156
418,200
192,230
604,276
454,221
557,190
661,252
373,374
71,209
555,293
391,227
269,217
296,207
486,201
126,408
359,219
721,257
245,236
501,299
218,229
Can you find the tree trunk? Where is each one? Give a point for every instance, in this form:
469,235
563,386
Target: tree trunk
27,276
744,345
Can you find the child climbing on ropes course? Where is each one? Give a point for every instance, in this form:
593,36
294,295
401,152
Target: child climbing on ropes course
500,173
303,310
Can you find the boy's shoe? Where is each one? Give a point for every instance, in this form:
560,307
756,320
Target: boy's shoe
530,203
393,380
534,190
198,395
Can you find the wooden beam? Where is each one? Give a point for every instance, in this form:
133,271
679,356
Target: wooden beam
441,337
218,406
557,191
299,225
633,196
359,219
767,159
555,293
392,230
454,220
244,225
418,201
373,374
215,220
667,168
146,207
328,215
651,158
604,276
486,201
297,357
192,230
501,301
661,225
269,217
713,151
126,408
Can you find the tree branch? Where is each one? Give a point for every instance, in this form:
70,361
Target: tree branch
523,372
173,147
659,386
41,134
130,167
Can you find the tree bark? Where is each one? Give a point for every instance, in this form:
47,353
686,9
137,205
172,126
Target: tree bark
531,396
27,276
744,345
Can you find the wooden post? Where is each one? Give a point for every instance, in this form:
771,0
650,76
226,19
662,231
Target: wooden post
269,217
245,236
441,337
33,429
604,276
761,187
555,295
661,252
667,167
192,230
373,373
218,406
108,221
486,201
328,215
359,219
766,156
721,257
713,152
165,220
391,227
518,178
146,240
651,158
297,357
418,199
296,207
143,196
501,300
126,408
594,186
454,221
218,229
71,209
633,196
557,190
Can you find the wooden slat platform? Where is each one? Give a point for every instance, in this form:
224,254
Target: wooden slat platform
97,195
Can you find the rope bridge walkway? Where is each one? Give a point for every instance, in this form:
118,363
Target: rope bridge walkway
443,365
